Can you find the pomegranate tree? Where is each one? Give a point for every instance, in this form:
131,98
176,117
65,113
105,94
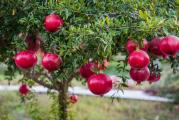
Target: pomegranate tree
52,31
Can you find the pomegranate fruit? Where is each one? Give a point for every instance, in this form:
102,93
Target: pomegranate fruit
73,99
24,89
146,45
99,84
53,22
155,47
87,70
138,59
154,77
26,59
170,45
51,62
139,75
132,46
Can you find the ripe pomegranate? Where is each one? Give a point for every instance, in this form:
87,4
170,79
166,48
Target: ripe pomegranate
87,70
138,59
53,22
153,77
139,75
73,99
132,46
26,59
99,84
146,45
155,47
170,45
24,89
51,62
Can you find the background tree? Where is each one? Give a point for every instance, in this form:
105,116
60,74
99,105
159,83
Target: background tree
92,29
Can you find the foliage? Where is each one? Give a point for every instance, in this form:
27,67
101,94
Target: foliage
90,27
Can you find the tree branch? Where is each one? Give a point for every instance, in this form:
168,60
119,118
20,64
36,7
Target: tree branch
35,77
43,83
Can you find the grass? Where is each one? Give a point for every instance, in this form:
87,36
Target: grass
92,108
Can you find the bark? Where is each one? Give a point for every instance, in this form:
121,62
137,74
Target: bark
63,101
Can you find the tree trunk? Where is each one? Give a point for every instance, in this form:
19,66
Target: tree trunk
63,102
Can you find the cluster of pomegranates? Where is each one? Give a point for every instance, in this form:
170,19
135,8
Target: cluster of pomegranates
27,59
98,84
139,59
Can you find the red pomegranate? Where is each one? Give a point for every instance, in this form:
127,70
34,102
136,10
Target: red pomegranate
146,45
154,77
53,22
132,46
51,62
87,70
26,59
138,59
155,47
24,89
139,75
99,84
170,45
73,99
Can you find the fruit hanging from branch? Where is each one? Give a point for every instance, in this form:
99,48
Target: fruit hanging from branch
169,45
73,99
24,89
138,59
131,45
139,75
53,22
99,84
51,62
154,77
87,70
155,47
26,59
